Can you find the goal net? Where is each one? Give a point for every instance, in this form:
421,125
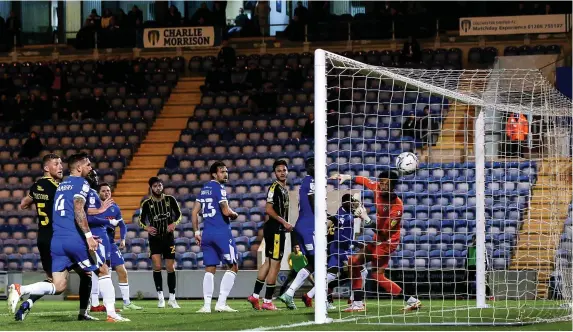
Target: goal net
483,235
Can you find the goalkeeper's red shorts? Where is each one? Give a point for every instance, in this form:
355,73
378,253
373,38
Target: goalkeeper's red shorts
379,254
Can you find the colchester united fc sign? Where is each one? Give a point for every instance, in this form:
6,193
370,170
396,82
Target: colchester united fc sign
179,37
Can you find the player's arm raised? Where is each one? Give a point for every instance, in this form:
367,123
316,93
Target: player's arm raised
104,206
195,221
361,180
82,221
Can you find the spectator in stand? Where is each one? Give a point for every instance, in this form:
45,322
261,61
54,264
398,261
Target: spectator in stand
537,9
409,127
227,55
241,20
202,15
521,9
68,108
43,108
301,12
13,28
253,78
548,10
218,79
136,80
426,127
93,20
219,15
106,19
517,129
96,106
135,17
60,83
121,18
308,129
7,86
265,102
294,77
411,51
173,17
263,12
32,147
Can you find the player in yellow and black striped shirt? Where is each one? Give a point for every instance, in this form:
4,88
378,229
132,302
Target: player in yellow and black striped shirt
276,225
160,214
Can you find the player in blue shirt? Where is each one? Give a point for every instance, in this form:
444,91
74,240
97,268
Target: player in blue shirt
115,258
73,244
216,240
341,232
304,233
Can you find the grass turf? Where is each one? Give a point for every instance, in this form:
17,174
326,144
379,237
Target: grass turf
61,315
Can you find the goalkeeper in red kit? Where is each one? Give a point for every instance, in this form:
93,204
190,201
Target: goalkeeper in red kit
389,209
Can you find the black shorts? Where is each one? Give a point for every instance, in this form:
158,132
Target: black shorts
274,242
164,246
44,244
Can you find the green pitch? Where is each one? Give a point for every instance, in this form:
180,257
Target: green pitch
59,315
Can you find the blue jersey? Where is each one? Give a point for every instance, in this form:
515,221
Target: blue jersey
63,210
212,194
305,215
113,212
343,230
94,202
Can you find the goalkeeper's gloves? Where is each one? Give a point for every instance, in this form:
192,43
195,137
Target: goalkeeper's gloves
361,213
340,177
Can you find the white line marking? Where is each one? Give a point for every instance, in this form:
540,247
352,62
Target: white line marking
45,313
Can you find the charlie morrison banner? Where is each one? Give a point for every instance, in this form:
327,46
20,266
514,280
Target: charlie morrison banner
179,37
511,25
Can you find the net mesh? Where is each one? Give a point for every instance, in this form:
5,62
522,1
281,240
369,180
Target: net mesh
375,113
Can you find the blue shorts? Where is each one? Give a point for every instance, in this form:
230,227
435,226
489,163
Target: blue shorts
219,248
116,258
305,240
338,257
102,234
68,252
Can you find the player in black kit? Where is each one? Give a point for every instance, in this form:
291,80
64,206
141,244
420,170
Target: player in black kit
42,194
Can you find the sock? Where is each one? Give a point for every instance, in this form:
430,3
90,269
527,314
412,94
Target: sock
298,281
269,293
160,295
258,288
124,288
85,292
39,288
95,290
329,278
358,297
34,298
108,294
171,282
208,287
356,278
311,292
388,285
158,280
226,285
171,296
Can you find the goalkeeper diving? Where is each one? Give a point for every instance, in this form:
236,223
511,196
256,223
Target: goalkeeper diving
389,210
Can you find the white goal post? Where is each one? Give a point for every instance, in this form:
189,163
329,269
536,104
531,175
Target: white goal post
496,154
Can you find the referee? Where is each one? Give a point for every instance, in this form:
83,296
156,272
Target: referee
160,214
275,228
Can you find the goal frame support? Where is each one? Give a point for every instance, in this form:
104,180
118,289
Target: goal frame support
320,231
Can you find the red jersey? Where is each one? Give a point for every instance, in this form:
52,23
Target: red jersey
388,212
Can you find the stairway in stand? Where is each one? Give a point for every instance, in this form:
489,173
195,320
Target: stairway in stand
455,142
543,224
150,157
